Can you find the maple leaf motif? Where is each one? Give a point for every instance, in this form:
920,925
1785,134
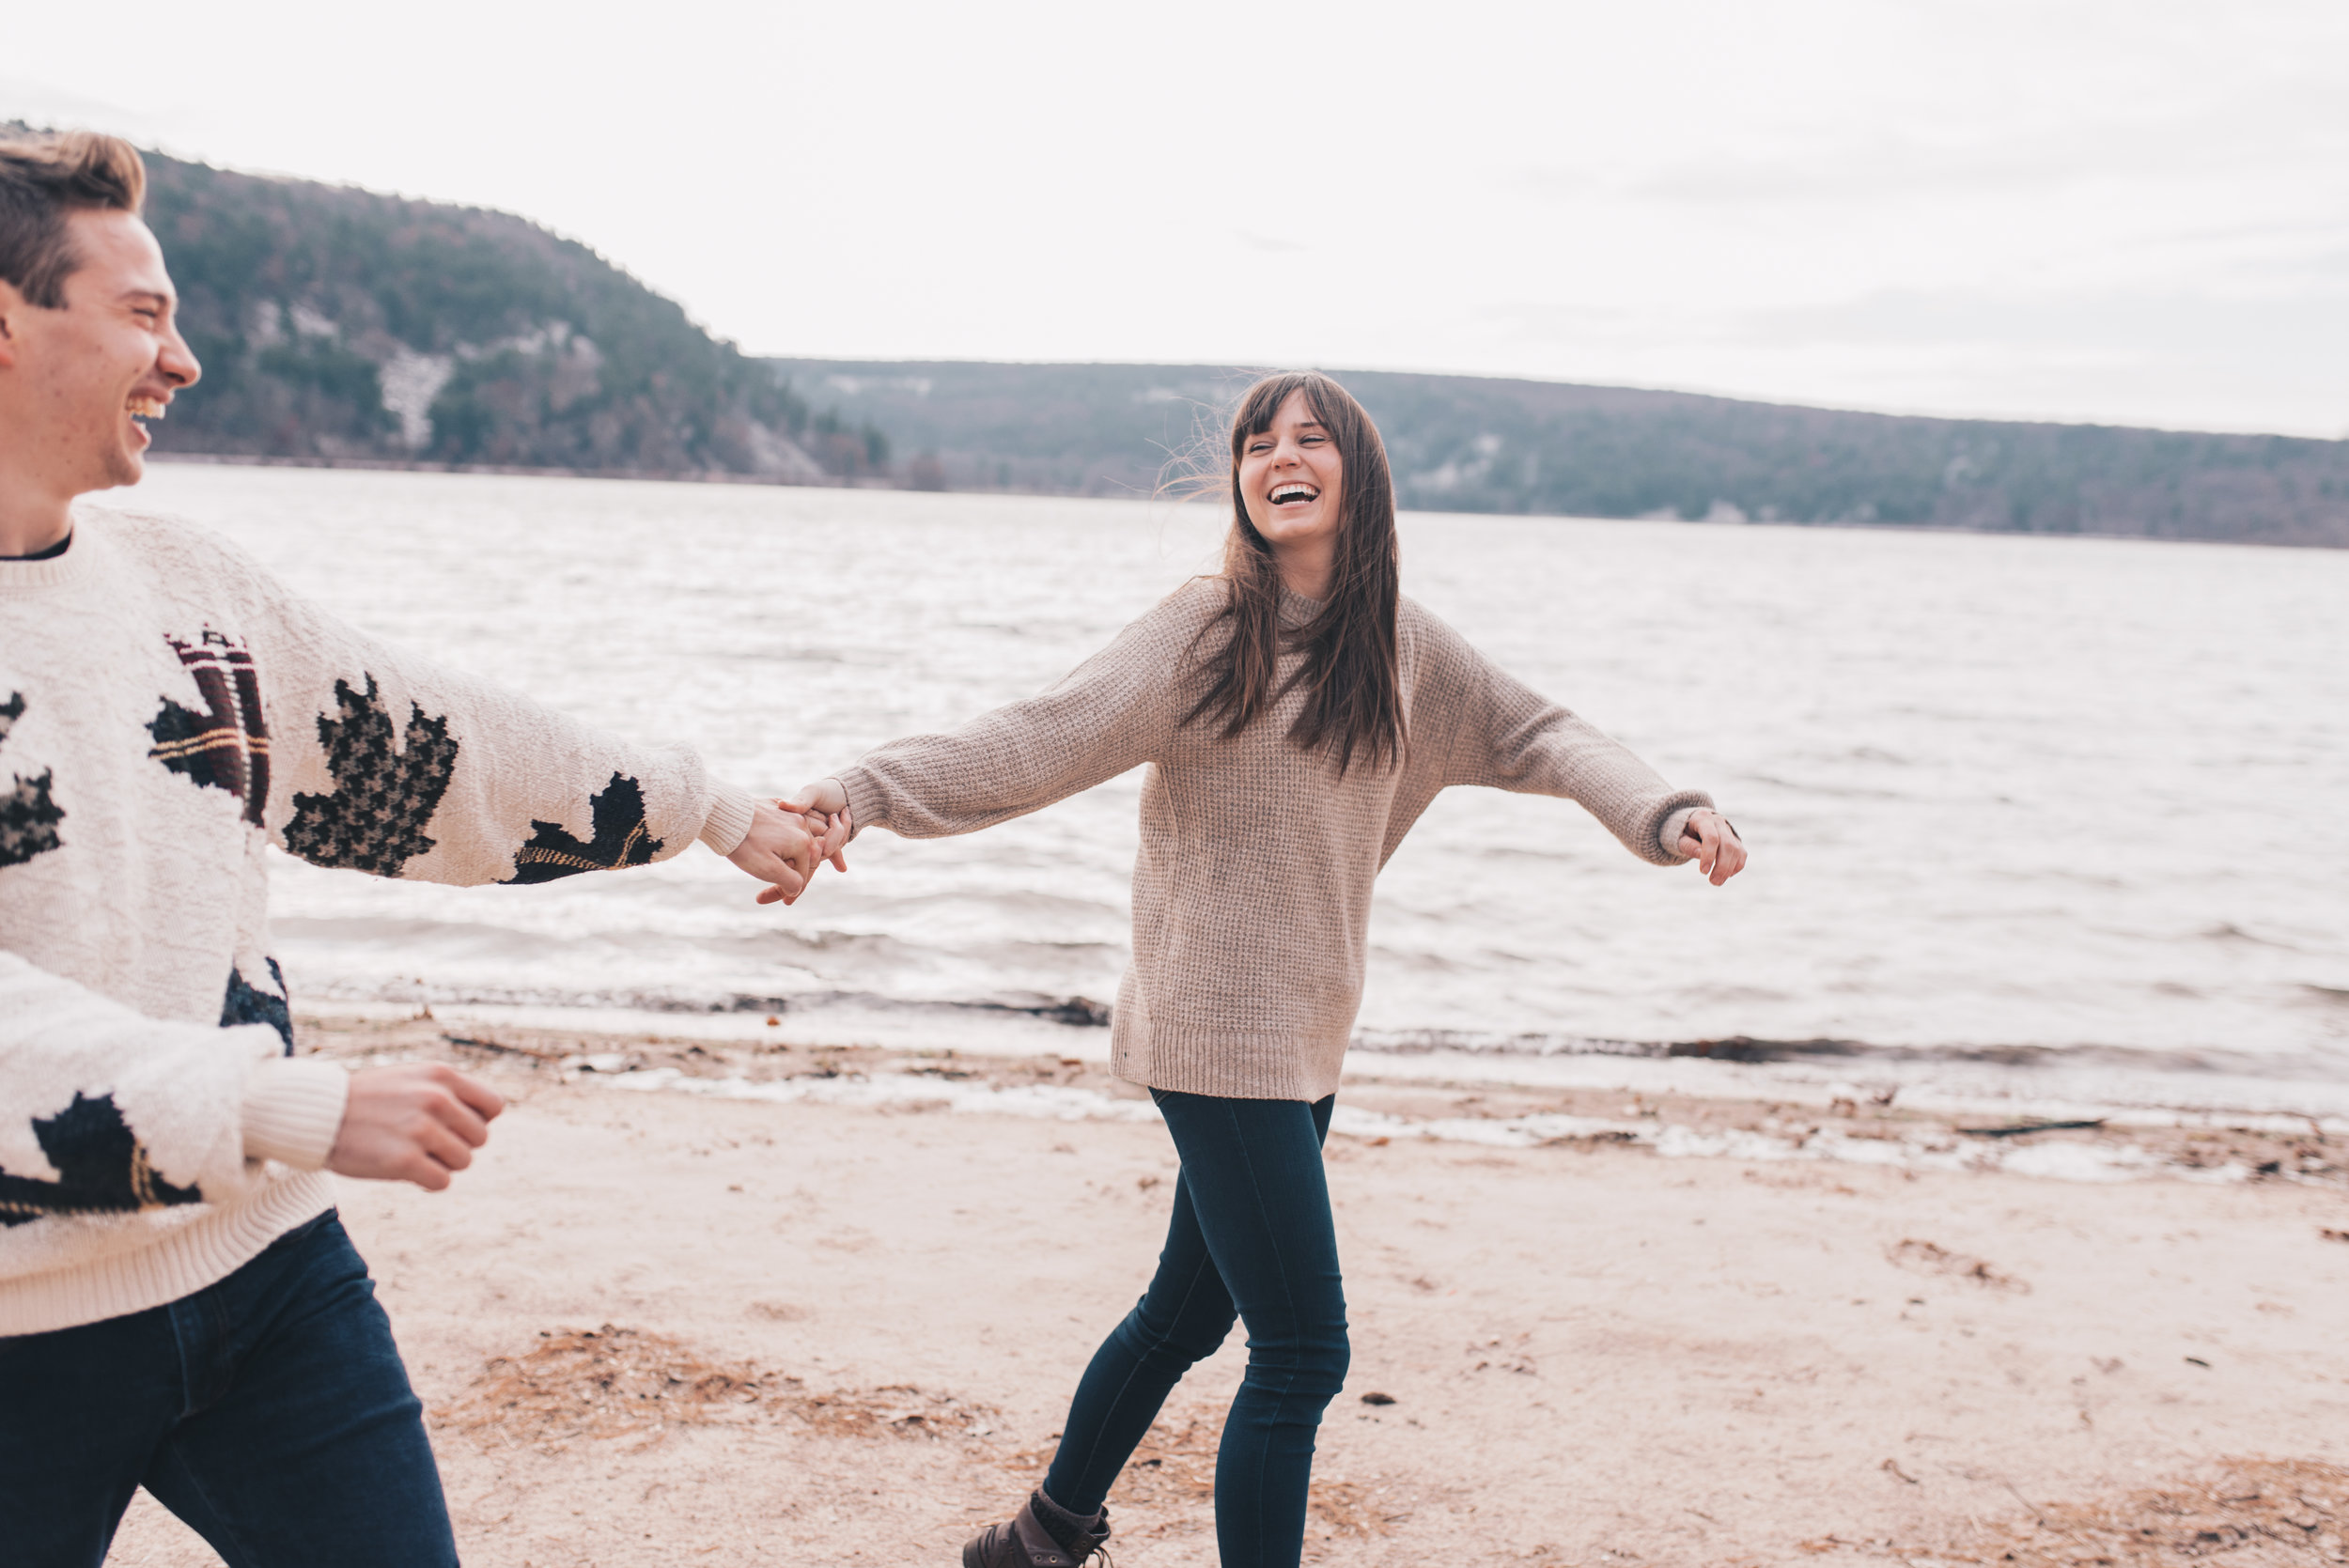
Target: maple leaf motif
28,818
622,838
227,746
246,1003
101,1167
374,821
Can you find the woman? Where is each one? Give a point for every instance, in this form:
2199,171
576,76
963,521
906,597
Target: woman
1297,715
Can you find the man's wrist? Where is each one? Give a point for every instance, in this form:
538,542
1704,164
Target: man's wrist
728,821
294,1109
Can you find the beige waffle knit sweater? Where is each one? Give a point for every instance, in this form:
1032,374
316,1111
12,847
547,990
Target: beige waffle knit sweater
1252,890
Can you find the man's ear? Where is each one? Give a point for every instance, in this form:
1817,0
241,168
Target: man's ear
11,312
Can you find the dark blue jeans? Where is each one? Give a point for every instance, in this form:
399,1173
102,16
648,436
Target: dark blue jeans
270,1411
1252,1236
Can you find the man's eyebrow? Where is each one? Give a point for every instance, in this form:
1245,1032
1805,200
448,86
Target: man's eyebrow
157,295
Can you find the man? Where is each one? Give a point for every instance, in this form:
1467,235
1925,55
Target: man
179,1307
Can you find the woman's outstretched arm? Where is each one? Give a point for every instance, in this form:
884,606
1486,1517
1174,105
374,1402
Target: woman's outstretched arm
1114,711
1507,735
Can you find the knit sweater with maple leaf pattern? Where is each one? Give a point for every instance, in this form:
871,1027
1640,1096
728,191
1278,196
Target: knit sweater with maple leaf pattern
168,712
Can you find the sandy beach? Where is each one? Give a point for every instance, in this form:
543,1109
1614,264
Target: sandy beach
660,1327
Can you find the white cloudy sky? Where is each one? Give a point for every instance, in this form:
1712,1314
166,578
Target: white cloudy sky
2116,210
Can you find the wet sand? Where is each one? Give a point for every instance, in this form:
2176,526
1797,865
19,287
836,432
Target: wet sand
666,1327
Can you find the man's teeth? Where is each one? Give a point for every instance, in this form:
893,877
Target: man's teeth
147,407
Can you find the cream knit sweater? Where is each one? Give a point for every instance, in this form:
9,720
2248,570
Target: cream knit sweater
1252,890
168,712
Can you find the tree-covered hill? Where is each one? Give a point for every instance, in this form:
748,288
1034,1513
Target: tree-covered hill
333,323
1480,444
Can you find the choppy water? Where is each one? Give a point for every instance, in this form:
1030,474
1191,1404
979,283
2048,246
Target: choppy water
2003,792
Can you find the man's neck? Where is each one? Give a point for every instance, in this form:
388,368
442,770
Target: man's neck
34,516
31,521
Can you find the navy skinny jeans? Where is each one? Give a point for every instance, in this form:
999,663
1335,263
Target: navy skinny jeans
270,1411
1252,1237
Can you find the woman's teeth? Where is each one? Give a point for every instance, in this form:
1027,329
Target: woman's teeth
1287,493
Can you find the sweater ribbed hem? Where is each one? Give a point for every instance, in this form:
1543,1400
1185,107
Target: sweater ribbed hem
180,1262
729,819
1227,1065
293,1107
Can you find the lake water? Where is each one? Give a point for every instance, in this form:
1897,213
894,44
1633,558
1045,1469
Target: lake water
2079,794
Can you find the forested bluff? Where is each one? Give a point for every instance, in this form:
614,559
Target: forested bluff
338,325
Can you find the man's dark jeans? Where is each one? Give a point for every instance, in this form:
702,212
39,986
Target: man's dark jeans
1252,1236
270,1411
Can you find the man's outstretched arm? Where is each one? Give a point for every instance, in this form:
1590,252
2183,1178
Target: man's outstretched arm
385,761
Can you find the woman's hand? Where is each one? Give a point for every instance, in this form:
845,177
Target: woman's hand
1714,845
780,850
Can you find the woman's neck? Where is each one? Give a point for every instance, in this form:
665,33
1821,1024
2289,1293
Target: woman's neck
1304,568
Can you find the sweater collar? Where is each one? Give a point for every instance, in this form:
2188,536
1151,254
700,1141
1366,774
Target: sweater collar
26,577
1296,609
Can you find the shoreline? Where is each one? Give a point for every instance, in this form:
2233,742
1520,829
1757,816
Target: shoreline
1594,1353
719,476
1678,1107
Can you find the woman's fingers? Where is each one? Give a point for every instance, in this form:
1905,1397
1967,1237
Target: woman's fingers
1714,845
1729,858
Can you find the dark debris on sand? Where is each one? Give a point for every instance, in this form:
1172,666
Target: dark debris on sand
607,1383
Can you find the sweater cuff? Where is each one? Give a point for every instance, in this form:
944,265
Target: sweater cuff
293,1107
729,819
1668,836
864,796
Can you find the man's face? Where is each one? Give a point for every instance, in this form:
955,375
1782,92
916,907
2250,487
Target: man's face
78,382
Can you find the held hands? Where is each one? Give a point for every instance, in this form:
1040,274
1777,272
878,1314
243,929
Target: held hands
789,839
419,1124
823,808
1714,845
782,849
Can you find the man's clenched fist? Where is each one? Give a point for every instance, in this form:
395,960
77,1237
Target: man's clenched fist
419,1123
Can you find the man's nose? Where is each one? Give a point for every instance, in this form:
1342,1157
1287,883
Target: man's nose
177,362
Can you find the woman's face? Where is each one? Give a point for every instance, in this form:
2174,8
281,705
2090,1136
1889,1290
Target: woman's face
1289,476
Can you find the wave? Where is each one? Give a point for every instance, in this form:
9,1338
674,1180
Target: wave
1079,1012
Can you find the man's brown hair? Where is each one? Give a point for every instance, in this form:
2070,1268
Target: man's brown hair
44,177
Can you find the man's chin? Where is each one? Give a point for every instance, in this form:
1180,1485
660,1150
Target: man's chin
127,466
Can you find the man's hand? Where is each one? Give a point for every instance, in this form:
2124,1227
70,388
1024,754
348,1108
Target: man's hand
1715,846
415,1124
779,851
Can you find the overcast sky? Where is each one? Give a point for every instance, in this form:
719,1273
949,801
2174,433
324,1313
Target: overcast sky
2132,211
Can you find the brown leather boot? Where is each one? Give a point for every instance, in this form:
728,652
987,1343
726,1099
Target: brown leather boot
1025,1542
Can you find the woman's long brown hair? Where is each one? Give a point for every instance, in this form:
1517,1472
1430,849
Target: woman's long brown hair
1354,702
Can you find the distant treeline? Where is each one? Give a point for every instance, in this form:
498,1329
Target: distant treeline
1477,444
335,323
